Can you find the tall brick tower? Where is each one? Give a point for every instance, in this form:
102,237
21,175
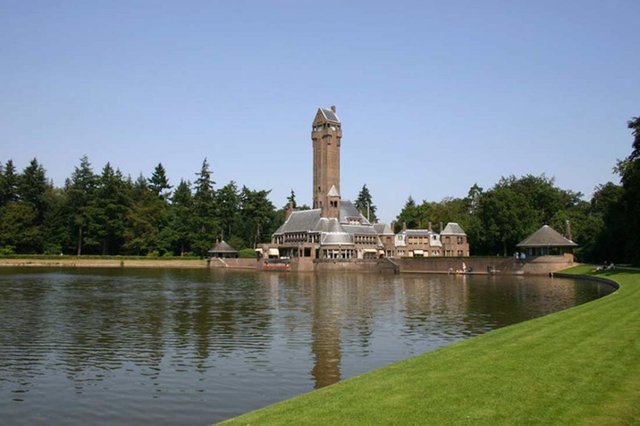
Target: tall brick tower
326,135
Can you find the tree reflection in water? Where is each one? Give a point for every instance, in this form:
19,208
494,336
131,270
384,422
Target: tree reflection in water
197,346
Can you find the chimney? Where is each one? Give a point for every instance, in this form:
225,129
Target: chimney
393,226
441,227
430,228
404,226
568,230
333,108
289,211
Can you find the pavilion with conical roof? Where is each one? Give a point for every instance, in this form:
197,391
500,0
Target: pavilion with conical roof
546,241
223,250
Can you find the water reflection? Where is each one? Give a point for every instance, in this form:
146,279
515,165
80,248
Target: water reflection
193,346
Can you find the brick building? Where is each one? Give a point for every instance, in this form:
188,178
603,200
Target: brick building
335,230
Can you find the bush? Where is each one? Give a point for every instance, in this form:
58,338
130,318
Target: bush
7,251
247,253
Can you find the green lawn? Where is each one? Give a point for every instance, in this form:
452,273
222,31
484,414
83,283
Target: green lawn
579,366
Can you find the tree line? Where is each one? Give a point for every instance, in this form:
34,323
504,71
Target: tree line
606,228
107,213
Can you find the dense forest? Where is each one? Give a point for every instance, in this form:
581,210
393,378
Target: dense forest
107,213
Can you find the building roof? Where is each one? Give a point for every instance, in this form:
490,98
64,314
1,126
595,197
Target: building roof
330,115
223,247
360,229
333,231
300,221
416,232
336,238
453,228
333,192
382,229
349,212
328,224
546,237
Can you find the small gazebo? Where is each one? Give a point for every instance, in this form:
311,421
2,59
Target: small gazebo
546,241
223,250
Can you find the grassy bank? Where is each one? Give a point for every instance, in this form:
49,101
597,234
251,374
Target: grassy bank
579,366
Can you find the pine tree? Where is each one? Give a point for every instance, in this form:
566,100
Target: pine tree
206,224
364,204
228,203
258,215
32,188
8,184
291,200
159,183
178,234
80,190
109,210
146,220
409,216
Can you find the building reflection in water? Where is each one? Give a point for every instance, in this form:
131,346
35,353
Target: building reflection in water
235,340
328,303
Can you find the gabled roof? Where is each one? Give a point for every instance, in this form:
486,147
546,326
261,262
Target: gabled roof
333,192
453,228
348,211
328,224
223,247
546,237
300,221
329,115
382,229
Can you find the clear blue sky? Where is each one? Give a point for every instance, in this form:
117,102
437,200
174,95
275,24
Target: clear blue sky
434,96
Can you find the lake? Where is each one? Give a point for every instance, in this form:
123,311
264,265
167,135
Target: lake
187,346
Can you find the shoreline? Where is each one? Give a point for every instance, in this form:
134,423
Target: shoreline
579,365
75,262
441,265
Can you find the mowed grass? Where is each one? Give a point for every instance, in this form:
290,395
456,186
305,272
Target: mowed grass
579,366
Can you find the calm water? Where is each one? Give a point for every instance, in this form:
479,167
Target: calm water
196,346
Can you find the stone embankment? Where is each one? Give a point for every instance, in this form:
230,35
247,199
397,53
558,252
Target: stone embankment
79,262
427,265
542,265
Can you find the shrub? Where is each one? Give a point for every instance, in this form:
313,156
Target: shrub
247,253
